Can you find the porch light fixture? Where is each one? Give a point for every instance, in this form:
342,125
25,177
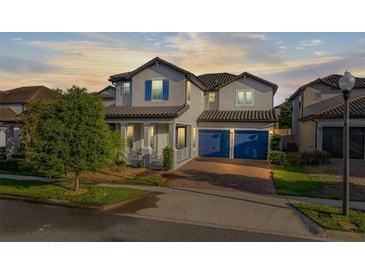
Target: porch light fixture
346,84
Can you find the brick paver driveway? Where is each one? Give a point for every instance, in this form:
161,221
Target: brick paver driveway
220,173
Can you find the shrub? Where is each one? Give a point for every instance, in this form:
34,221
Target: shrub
15,165
119,148
168,158
276,157
18,156
316,157
275,142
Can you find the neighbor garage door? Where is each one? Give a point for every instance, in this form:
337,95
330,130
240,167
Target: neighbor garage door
214,143
332,142
250,144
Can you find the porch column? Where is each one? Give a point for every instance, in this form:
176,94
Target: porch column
172,141
123,135
147,150
9,141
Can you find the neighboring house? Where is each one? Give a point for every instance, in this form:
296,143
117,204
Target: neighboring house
277,129
12,103
216,115
108,95
317,120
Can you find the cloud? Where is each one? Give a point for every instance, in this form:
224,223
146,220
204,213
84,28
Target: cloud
310,43
318,53
19,65
17,39
299,48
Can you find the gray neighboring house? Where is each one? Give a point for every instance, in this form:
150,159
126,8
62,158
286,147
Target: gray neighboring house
215,115
317,120
12,103
107,94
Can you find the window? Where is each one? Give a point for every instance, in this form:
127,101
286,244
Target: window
180,137
317,94
126,88
244,97
211,97
194,137
130,134
157,89
152,136
188,90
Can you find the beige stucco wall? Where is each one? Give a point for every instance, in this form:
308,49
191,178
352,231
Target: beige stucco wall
307,136
176,86
196,107
262,97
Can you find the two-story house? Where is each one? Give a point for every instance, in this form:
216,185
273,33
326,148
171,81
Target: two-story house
317,120
215,115
12,103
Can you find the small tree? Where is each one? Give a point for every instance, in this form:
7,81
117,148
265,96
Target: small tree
285,115
119,148
68,134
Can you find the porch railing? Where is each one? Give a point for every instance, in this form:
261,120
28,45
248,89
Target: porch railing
182,154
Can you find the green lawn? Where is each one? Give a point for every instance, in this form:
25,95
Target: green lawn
96,195
295,180
331,218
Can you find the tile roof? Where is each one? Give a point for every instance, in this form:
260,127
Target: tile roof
331,81
213,81
357,110
106,95
26,94
210,81
7,114
237,116
145,111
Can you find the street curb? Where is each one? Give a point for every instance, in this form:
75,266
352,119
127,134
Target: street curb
124,203
71,204
312,226
48,201
343,236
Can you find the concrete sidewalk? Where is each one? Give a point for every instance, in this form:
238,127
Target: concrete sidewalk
309,200
29,178
230,209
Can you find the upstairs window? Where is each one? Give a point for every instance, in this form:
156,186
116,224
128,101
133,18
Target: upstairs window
211,97
157,86
126,88
244,97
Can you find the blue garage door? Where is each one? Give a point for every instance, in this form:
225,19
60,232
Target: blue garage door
214,143
250,144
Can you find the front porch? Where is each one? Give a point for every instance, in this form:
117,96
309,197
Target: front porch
145,142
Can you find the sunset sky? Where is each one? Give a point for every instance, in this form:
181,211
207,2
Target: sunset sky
87,59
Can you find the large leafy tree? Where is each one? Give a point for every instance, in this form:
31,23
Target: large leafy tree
285,115
68,134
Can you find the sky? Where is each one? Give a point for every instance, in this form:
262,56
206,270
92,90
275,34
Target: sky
60,60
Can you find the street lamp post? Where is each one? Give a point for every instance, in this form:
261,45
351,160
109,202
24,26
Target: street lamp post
346,83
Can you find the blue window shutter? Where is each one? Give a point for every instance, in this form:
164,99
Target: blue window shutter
148,90
165,90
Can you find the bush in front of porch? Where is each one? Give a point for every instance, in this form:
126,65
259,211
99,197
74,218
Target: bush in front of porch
168,158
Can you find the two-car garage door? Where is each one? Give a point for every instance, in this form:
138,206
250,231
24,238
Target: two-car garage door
247,144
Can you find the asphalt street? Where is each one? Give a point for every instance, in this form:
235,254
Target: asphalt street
25,221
